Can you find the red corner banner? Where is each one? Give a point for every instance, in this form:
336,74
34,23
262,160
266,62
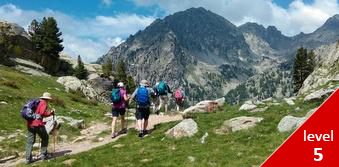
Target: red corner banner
315,143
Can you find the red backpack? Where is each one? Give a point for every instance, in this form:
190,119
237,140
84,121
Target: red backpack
178,95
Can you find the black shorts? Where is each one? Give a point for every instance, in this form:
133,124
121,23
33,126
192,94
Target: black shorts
142,113
118,111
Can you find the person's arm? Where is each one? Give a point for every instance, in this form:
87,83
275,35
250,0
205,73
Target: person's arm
42,109
169,89
133,95
125,95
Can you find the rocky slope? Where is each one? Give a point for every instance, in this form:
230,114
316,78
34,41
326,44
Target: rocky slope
195,48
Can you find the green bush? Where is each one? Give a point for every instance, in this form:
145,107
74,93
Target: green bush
10,83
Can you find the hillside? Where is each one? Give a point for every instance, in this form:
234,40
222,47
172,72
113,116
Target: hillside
16,88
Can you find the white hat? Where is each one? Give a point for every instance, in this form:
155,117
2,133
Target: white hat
46,95
144,83
120,84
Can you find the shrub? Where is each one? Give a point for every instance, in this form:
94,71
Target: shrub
58,101
10,83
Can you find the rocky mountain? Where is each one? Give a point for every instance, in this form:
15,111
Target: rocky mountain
196,48
209,56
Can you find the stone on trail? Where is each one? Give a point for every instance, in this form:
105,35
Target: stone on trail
191,158
204,106
203,139
186,128
79,139
238,123
289,101
289,123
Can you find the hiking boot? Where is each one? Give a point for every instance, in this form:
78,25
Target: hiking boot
114,135
141,134
145,132
157,112
28,161
123,131
46,157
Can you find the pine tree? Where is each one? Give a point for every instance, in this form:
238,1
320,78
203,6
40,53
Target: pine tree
303,67
107,67
6,44
120,70
80,71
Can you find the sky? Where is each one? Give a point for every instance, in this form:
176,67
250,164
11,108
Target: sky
91,27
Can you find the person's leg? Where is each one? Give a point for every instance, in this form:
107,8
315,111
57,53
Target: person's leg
145,116
114,120
178,107
122,115
44,141
29,145
138,115
161,102
166,103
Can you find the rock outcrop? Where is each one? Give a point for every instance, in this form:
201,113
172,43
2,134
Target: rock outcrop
289,123
238,123
186,128
248,105
205,106
319,94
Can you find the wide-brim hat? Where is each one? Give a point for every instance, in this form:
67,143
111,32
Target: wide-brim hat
120,84
144,83
46,96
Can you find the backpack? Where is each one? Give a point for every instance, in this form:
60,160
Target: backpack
116,96
178,95
142,97
28,111
162,88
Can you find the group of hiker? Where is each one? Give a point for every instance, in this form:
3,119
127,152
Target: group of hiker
145,96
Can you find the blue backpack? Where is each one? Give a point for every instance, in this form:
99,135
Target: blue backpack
28,111
162,88
116,97
142,97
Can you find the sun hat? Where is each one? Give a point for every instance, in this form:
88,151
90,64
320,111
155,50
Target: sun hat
46,96
144,83
120,84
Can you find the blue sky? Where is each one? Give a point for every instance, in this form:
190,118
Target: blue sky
91,27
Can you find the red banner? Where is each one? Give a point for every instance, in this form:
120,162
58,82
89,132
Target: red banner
315,143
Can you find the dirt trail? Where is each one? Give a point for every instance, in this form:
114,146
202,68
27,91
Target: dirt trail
86,142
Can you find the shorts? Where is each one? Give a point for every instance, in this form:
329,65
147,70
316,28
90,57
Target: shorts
142,113
118,111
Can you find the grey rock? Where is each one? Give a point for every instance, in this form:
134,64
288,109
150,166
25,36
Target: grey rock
203,105
2,138
186,128
79,139
247,106
289,101
260,109
191,158
203,138
238,123
297,109
289,123
72,122
320,94
3,103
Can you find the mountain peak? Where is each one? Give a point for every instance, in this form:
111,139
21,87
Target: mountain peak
332,22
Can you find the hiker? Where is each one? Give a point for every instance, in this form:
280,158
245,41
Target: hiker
119,98
36,126
179,98
142,97
163,90
155,97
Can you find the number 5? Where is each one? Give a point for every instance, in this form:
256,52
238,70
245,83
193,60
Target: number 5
319,154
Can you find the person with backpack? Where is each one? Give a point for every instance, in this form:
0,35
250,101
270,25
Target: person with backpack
34,111
179,97
119,98
163,90
155,97
142,97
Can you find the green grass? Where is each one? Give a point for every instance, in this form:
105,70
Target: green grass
16,88
242,148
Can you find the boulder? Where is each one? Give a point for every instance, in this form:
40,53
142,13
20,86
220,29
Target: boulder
259,109
205,106
319,95
72,122
3,103
289,123
238,123
248,105
289,101
186,128
191,158
71,83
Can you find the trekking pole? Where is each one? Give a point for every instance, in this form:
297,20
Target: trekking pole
54,133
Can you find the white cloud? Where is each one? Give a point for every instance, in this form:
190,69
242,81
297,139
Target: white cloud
298,17
107,2
89,37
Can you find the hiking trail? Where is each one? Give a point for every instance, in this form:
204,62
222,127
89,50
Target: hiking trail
88,136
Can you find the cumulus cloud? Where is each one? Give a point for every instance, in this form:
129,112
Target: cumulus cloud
88,37
298,17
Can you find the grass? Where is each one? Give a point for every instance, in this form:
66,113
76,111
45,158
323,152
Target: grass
242,148
17,88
